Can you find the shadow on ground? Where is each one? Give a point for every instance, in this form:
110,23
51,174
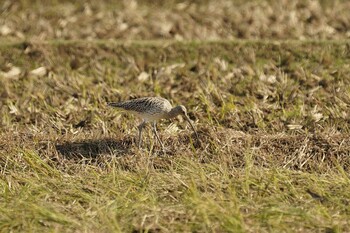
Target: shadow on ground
94,148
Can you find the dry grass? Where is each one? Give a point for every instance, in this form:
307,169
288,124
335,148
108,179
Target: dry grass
170,19
273,123
272,117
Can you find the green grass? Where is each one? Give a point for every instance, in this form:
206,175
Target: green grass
70,164
182,196
266,84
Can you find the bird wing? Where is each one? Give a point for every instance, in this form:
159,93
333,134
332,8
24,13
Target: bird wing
143,105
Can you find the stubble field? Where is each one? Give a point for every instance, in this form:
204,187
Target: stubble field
266,84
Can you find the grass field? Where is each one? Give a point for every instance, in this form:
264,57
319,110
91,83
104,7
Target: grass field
272,116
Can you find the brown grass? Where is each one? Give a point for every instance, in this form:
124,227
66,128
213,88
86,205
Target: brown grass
272,117
272,121
224,19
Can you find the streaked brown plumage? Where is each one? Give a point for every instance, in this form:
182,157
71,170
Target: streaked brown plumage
152,109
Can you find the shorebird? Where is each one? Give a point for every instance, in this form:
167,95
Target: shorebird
152,109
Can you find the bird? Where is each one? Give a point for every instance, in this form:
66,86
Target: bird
152,109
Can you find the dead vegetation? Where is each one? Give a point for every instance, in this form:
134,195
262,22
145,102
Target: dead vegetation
180,20
272,117
273,123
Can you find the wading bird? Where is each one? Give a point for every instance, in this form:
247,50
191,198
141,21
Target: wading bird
152,109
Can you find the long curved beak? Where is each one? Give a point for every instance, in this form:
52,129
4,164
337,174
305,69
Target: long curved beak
189,121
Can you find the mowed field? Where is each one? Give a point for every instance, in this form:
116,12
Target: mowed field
266,84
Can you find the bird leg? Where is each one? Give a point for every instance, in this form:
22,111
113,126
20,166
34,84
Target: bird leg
140,127
157,136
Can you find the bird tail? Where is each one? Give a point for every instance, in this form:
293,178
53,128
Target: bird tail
114,104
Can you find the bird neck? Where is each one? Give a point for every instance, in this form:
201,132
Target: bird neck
174,112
